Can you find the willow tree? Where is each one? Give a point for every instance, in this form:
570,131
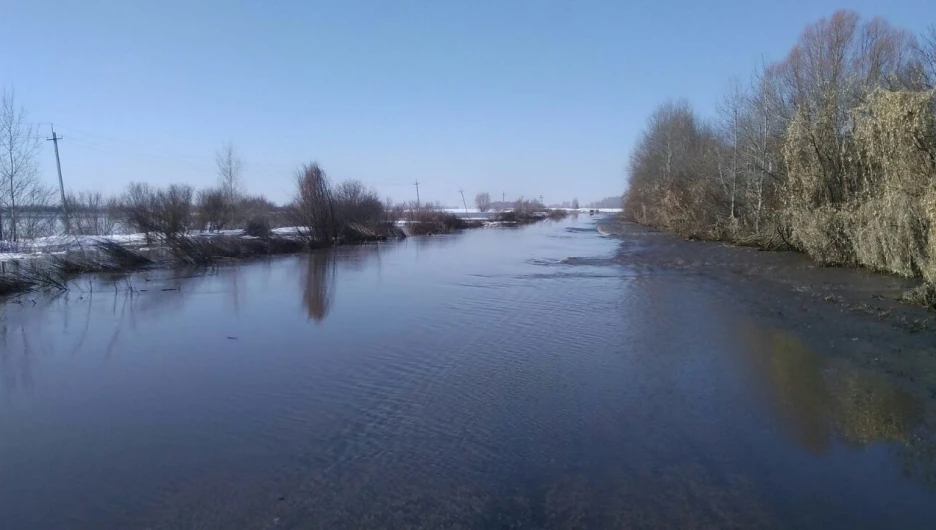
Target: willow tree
313,206
895,224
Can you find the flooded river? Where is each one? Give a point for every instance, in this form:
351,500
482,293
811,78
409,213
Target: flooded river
499,378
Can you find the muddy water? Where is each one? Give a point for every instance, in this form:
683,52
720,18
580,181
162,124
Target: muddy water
491,379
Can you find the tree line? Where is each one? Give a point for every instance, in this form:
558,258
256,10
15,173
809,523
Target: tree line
831,151
323,212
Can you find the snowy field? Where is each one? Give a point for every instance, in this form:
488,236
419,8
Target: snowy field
57,245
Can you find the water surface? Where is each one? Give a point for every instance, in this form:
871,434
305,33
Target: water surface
499,378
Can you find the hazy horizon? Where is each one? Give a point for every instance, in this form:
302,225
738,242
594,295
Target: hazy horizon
520,98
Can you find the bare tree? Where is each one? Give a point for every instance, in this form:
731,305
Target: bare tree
575,203
926,55
19,151
166,212
215,210
230,168
674,174
356,203
730,115
174,209
483,201
313,205
91,213
138,205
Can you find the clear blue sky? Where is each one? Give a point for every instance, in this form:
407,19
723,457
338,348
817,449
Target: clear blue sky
517,96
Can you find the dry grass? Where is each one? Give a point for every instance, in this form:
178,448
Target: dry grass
881,216
924,295
11,284
210,251
429,221
527,212
356,233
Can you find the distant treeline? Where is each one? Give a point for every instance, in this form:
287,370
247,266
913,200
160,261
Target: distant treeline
831,151
607,202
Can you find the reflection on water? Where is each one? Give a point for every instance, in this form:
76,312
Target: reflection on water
496,378
318,284
15,359
817,398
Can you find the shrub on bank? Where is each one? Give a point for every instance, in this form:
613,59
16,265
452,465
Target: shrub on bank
329,215
158,212
427,221
258,226
527,211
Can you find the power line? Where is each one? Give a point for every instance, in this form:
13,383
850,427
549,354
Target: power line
85,144
99,137
94,140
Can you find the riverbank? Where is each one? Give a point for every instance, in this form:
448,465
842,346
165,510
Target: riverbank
52,262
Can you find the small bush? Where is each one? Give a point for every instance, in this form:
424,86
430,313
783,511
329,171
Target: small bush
215,209
165,212
428,221
924,295
526,212
557,214
92,214
258,226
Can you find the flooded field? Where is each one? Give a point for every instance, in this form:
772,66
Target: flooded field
499,378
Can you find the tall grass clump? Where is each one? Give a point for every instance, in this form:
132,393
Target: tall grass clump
429,220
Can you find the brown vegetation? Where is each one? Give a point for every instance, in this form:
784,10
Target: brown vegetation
330,215
529,211
428,220
831,151
163,212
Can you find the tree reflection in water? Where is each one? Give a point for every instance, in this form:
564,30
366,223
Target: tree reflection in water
816,397
318,288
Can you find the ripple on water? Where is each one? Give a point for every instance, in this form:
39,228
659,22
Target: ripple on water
444,385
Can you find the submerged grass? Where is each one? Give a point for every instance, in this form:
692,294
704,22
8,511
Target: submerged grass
10,284
356,233
526,216
210,251
924,295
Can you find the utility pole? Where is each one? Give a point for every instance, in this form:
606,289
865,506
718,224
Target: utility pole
417,193
463,199
58,164
503,201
